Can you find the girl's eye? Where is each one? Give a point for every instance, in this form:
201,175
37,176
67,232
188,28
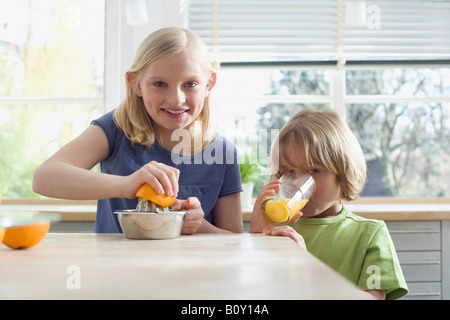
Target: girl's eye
313,170
159,84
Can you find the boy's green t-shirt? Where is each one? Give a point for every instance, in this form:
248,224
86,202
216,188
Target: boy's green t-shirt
359,249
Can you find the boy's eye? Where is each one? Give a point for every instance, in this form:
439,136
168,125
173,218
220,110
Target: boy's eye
280,172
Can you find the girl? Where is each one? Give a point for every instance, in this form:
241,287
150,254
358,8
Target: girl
162,134
359,249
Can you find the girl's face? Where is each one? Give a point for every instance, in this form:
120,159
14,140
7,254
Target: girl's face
325,201
173,89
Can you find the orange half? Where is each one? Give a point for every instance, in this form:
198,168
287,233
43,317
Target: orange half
2,234
146,192
27,236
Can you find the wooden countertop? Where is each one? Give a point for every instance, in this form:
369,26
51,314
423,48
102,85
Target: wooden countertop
203,266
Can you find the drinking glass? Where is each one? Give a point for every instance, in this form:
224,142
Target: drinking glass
297,186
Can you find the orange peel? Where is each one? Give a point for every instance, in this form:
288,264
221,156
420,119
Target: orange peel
146,192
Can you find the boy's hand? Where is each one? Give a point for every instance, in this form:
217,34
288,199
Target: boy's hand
258,223
287,231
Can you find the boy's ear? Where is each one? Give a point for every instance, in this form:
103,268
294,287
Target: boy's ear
343,187
133,84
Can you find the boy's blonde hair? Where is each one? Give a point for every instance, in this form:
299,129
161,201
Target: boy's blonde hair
328,141
131,116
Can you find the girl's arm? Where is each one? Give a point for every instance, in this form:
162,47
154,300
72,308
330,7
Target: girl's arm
224,219
67,174
227,214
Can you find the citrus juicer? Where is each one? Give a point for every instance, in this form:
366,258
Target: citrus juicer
151,221
144,205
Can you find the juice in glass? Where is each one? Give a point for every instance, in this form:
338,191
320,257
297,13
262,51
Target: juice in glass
296,187
279,211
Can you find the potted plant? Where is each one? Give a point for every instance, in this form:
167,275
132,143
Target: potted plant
249,173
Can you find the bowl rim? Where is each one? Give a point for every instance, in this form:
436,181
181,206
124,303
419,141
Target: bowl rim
133,211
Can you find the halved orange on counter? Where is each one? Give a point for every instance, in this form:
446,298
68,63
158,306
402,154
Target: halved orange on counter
26,236
146,192
2,235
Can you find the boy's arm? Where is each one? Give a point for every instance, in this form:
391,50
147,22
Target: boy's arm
377,294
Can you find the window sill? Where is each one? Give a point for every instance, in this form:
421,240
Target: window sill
70,210
388,209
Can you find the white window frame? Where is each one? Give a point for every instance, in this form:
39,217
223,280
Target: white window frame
122,40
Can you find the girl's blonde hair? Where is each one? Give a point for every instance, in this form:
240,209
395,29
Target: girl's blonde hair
131,116
328,141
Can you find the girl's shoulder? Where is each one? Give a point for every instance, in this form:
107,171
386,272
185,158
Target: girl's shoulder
106,118
107,123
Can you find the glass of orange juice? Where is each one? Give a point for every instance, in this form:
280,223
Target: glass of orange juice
296,189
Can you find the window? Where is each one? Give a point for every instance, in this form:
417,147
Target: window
402,119
388,77
51,84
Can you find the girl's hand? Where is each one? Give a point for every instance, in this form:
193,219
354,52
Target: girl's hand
258,223
163,178
287,231
195,216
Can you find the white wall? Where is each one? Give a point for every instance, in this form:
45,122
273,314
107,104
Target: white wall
122,40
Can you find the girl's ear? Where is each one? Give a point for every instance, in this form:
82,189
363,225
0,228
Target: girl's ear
211,82
133,84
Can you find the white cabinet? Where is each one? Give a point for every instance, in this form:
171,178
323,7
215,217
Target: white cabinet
422,249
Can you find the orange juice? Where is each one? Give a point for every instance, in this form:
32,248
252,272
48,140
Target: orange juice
279,211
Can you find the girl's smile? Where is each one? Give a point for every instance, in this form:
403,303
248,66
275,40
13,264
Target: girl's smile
176,113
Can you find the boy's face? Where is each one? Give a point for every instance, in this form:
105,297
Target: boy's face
325,201
173,89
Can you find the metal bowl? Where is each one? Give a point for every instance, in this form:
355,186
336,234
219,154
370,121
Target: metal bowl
149,225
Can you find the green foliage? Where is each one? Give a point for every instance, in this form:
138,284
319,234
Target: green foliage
249,171
252,172
21,152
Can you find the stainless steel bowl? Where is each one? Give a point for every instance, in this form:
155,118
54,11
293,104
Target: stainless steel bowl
149,225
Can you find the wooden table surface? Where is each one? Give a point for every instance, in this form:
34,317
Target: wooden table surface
202,266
